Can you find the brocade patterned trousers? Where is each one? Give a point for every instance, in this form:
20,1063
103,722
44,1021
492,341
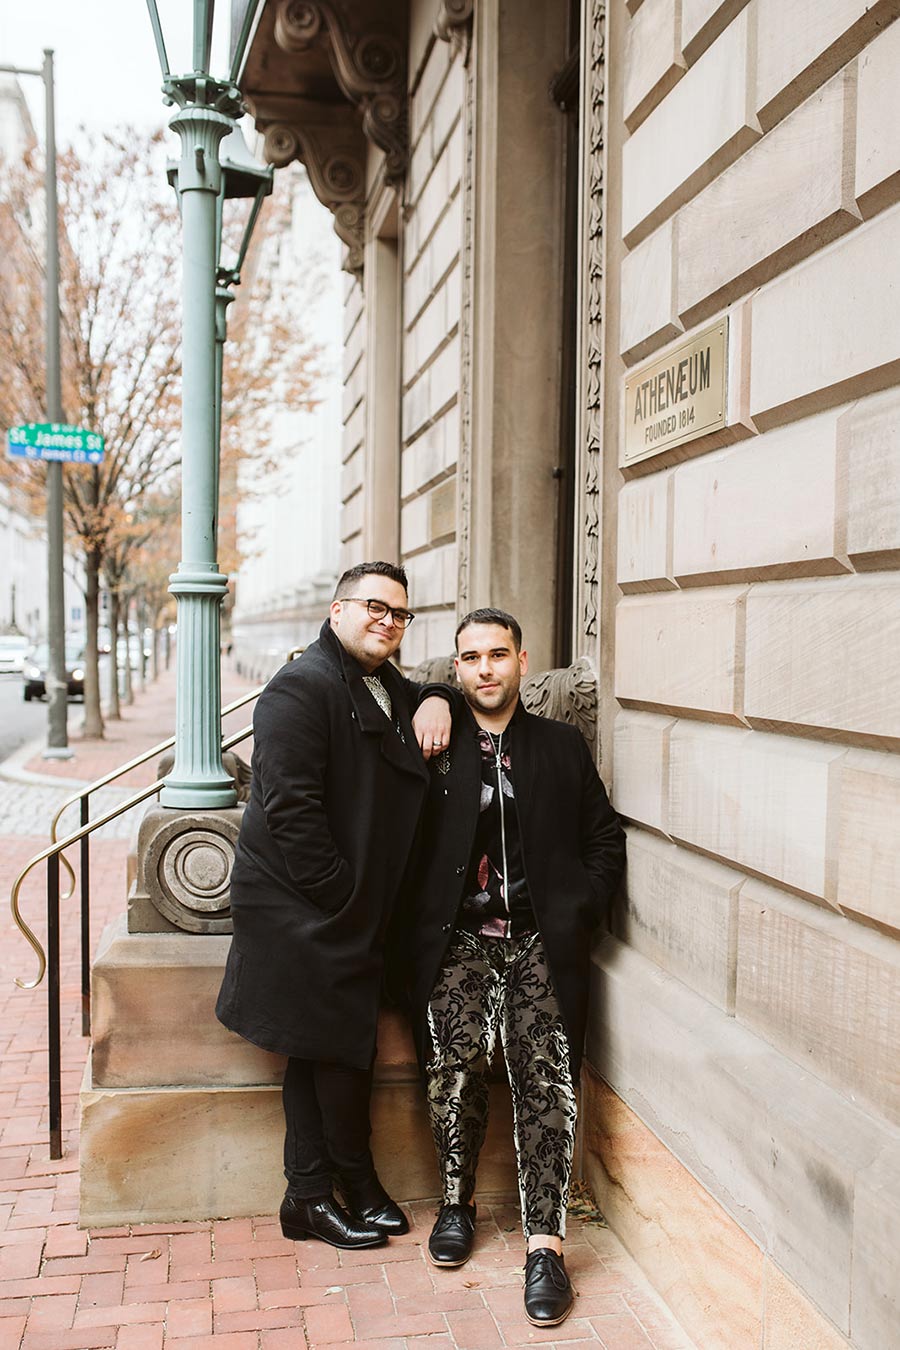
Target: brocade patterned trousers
488,985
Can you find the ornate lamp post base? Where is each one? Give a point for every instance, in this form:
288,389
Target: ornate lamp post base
198,777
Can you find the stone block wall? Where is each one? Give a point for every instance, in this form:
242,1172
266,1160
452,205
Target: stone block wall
430,361
429,302
353,418
747,1005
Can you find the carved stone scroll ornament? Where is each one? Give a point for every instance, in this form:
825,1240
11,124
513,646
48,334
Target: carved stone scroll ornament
369,68
453,24
183,871
568,695
336,175
193,875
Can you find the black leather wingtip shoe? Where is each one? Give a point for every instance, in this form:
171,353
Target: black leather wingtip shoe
548,1293
369,1202
450,1243
324,1218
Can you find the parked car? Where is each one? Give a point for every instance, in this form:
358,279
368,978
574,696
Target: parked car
13,649
34,672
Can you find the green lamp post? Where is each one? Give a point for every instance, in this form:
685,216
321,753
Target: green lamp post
243,178
207,108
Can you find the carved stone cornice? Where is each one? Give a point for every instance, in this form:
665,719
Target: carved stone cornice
369,67
453,24
335,163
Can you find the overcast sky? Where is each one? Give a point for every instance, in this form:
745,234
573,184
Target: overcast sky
106,68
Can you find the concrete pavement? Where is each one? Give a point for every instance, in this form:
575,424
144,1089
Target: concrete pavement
233,1284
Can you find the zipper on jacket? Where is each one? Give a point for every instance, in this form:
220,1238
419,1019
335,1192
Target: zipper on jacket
498,766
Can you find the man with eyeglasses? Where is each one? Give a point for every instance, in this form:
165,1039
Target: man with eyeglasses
339,779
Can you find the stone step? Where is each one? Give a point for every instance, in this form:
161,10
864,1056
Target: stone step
181,1120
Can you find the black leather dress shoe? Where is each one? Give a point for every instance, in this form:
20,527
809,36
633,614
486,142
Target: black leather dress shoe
452,1236
324,1218
370,1202
548,1293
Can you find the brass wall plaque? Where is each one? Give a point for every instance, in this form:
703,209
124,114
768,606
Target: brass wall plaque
680,397
443,509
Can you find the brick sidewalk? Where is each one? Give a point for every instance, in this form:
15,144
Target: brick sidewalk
235,1284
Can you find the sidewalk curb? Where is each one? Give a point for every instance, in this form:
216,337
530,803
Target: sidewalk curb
12,771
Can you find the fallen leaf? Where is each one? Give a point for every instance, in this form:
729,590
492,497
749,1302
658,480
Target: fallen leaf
150,1256
472,1284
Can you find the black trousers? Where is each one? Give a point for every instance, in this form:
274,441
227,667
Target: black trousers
326,1113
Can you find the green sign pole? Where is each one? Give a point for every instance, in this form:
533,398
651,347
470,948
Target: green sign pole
57,731
57,695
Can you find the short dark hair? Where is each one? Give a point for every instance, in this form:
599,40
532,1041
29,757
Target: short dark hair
491,616
371,569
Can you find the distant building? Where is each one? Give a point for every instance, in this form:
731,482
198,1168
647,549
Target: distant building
288,519
23,547
16,127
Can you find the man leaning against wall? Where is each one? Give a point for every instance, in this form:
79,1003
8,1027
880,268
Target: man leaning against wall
521,854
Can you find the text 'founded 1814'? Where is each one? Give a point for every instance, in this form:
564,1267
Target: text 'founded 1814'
678,398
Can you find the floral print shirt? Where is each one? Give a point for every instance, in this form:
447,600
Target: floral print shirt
496,901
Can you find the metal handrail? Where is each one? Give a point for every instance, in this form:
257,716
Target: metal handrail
57,846
56,849
49,961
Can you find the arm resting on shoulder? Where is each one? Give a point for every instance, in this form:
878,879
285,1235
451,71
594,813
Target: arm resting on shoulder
433,718
290,729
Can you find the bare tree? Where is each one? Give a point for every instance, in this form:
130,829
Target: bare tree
121,353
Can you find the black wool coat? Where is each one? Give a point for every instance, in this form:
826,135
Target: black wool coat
573,848
334,805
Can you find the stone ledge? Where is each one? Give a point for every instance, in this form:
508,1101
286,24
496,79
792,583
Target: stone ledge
727,1293
167,1155
782,1153
154,1022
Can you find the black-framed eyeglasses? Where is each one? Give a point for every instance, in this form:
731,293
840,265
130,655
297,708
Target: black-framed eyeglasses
378,610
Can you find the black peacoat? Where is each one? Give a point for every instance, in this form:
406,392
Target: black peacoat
334,805
573,848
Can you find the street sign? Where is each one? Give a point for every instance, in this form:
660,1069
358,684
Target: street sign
55,440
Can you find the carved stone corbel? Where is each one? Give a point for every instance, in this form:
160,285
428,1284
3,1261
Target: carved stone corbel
568,695
453,24
336,171
369,68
